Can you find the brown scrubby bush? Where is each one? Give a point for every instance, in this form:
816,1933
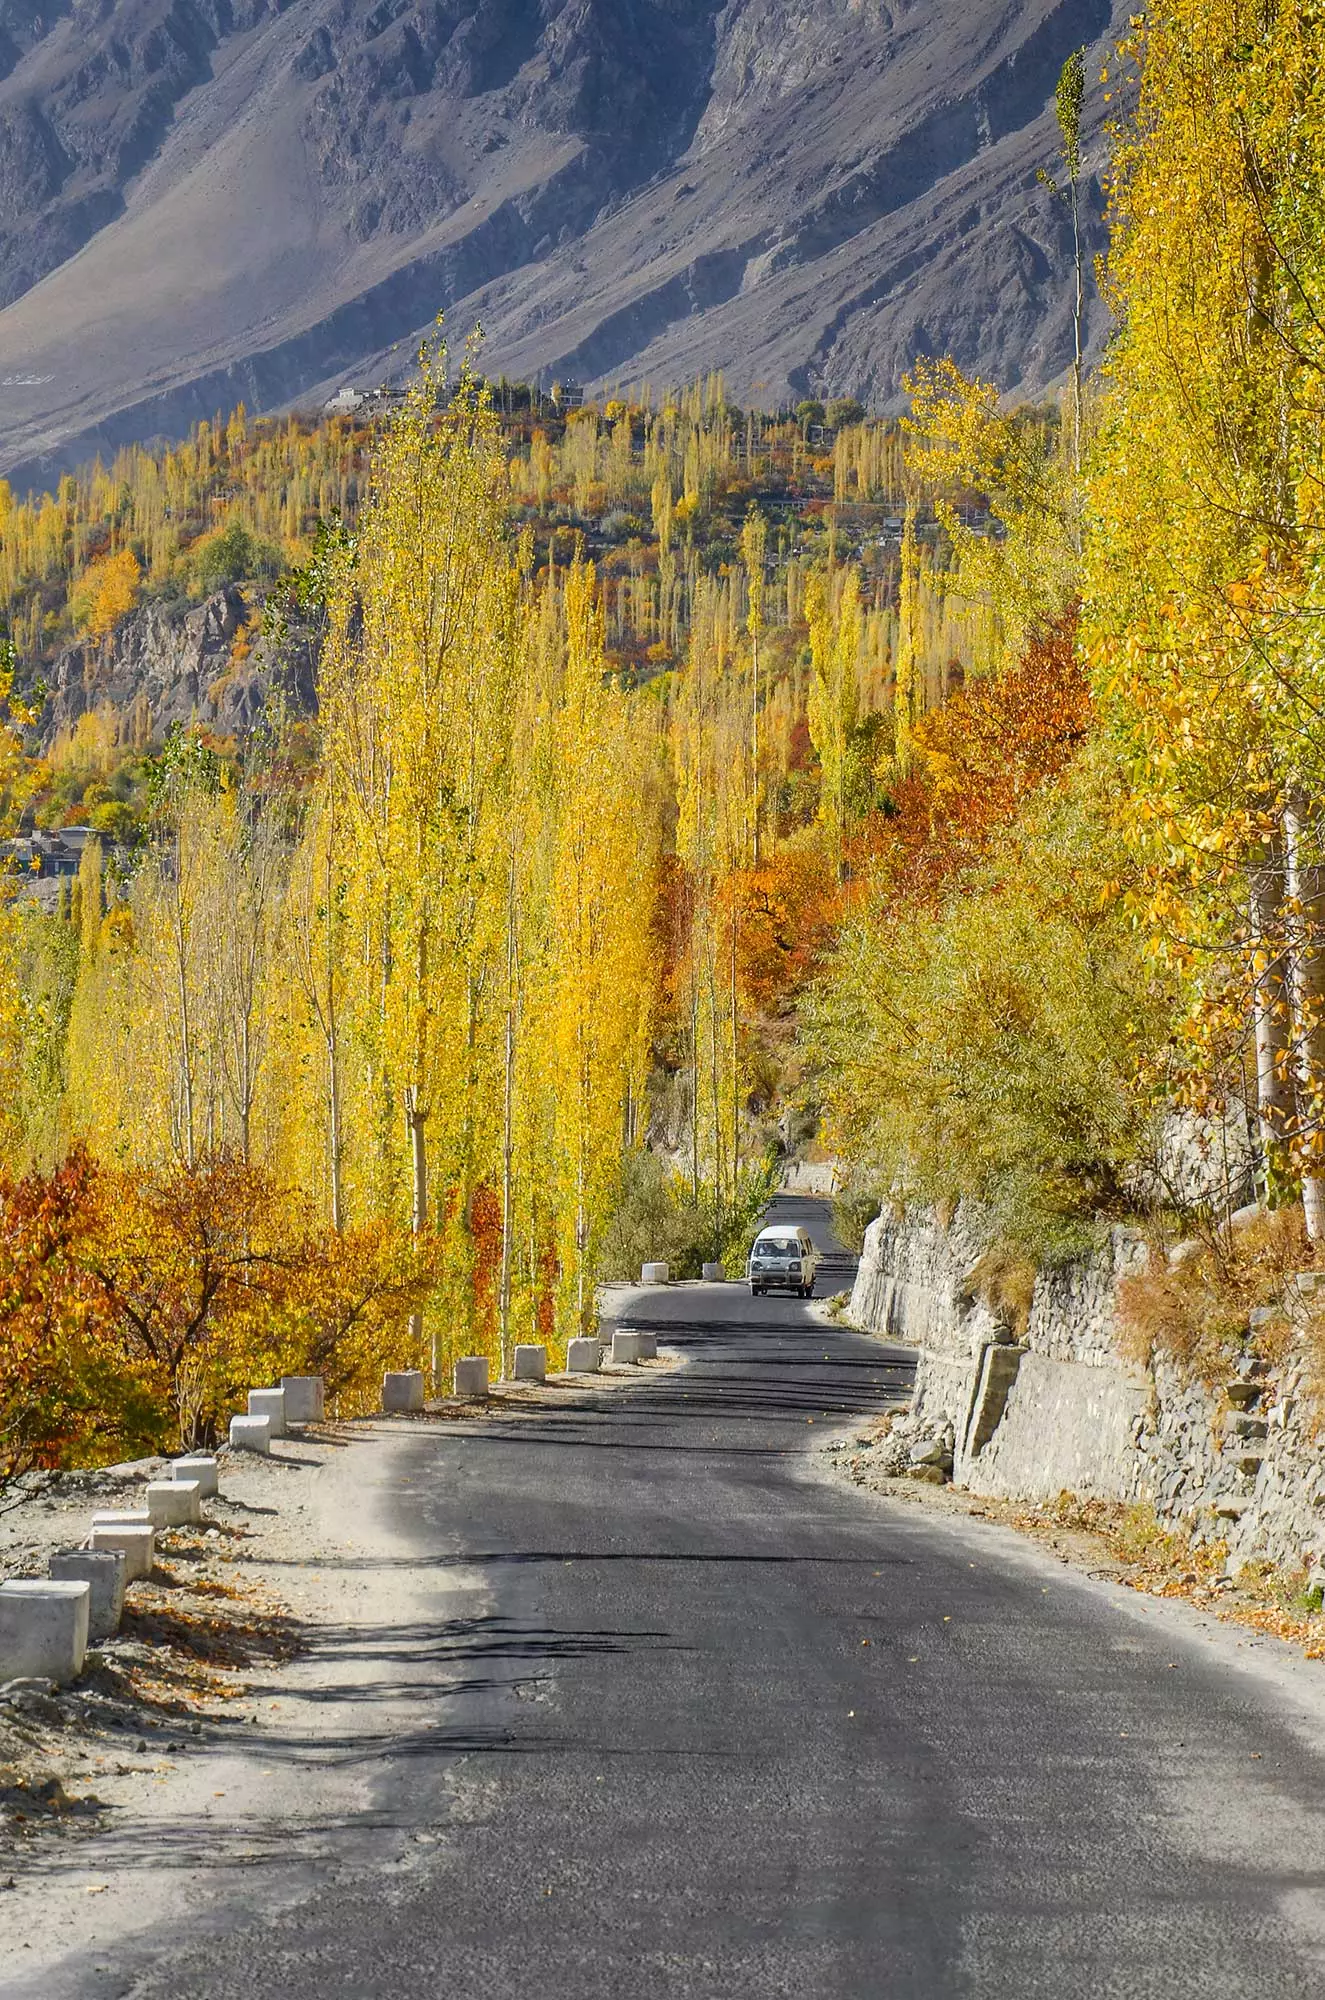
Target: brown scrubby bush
1005,1279
1195,1313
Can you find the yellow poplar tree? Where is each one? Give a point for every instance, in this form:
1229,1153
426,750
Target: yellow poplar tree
1205,559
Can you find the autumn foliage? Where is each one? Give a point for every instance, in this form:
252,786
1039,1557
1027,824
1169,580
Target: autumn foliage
784,914
981,758
66,1386
956,794
136,1308
106,591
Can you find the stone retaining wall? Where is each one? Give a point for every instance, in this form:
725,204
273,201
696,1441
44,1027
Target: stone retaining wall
1054,1408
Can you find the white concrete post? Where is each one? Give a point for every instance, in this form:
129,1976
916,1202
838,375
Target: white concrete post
531,1363
133,1534
583,1357
203,1471
471,1377
43,1629
655,1274
305,1399
171,1503
714,1274
103,1571
648,1346
251,1434
625,1346
402,1393
269,1403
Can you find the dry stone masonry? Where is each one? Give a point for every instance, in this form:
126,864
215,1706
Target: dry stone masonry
1029,1414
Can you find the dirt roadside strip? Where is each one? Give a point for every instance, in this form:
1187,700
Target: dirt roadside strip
212,1726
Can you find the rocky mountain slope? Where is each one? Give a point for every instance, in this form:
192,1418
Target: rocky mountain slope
164,667
209,200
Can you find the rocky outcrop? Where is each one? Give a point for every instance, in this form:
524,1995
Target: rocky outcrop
165,665
270,199
1050,1406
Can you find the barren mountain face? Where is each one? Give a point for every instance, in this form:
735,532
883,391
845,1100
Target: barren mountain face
203,201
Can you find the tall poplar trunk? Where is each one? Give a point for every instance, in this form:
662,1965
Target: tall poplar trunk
754,739
467,1144
736,1056
694,1067
331,1035
416,1122
186,1068
333,1133
1271,1003
508,1133
581,1202
246,1093
1305,881
715,1084
1078,312
419,1165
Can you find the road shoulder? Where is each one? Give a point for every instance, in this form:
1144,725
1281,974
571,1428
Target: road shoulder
1084,1547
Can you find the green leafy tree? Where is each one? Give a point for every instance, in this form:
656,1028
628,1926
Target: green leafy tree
234,555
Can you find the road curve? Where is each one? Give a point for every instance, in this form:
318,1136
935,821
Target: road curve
725,1727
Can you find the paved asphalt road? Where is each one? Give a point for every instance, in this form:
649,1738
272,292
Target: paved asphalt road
730,1729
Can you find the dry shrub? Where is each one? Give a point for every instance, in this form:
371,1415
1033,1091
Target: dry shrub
1005,1280
1195,1314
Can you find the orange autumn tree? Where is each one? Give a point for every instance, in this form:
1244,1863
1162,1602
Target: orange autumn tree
784,913
186,1262
67,1389
979,760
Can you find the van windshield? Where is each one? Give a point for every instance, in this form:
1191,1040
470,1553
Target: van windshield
778,1246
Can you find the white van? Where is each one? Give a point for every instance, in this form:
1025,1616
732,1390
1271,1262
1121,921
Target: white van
783,1259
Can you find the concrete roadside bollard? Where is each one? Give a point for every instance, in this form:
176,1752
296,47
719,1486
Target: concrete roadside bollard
583,1357
648,1346
305,1398
173,1503
402,1393
531,1363
203,1471
133,1535
251,1434
625,1346
43,1628
269,1403
655,1274
103,1571
471,1377
715,1274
